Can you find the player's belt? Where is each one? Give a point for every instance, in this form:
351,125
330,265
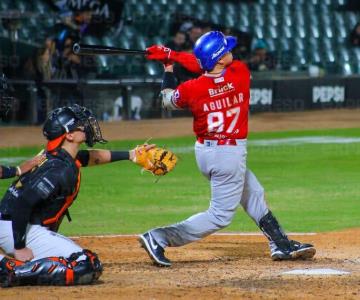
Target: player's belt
223,142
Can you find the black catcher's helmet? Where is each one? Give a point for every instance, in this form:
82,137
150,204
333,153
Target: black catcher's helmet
69,118
5,101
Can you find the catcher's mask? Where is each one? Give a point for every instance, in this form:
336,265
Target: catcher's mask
5,101
71,118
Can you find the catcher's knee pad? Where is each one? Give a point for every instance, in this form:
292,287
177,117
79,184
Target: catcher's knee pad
80,268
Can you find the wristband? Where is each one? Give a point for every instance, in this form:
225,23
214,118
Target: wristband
8,172
119,155
168,81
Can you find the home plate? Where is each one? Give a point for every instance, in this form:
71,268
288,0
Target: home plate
316,272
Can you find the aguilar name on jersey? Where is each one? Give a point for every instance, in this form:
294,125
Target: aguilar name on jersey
219,104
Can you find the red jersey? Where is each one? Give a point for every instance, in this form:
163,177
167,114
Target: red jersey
219,105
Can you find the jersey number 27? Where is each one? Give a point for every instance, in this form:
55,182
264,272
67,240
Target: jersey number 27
216,120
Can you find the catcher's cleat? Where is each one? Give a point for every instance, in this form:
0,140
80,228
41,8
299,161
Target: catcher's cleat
297,251
154,250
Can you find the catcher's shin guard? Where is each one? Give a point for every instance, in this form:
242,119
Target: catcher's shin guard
87,267
80,268
272,230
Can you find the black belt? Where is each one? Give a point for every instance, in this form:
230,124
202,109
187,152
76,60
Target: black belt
5,217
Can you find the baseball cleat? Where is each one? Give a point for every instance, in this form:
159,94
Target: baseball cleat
297,251
278,254
154,250
302,251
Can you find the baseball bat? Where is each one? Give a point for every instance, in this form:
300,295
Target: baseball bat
82,49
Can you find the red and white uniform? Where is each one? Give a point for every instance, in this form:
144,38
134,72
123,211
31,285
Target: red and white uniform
220,107
220,104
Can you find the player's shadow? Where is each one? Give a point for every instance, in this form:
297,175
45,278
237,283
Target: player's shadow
98,282
234,251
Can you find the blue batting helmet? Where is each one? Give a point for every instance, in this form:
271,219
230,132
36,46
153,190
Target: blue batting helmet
211,46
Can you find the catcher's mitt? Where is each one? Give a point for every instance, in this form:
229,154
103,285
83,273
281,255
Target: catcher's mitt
156,160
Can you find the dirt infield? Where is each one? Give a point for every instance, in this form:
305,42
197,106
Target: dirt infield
219,267
336,118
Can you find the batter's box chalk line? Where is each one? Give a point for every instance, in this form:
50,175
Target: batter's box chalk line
316,272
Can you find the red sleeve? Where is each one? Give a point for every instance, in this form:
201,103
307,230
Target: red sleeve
181,97
187,60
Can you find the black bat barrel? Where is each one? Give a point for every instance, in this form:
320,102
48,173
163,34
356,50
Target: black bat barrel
82,49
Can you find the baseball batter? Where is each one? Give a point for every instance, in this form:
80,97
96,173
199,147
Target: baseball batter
34,206
219,102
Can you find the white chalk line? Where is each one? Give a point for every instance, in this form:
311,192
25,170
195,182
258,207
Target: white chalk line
261,143
12,160
306,140
220,234
287,142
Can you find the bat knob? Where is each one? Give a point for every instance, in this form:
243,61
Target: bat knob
76,48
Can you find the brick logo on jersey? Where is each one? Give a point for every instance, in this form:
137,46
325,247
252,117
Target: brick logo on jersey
226,88
326,94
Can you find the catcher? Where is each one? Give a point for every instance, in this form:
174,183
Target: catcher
34,205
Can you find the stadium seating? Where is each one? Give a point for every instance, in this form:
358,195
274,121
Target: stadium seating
299,32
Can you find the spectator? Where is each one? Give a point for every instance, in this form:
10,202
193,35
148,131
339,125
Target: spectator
261,59
186,26
50,44
206,27
178,41
67,19
355,36
180,72
65,27
72,25
192,28
69,61
135,107
83,20
242,50
194,33
39,69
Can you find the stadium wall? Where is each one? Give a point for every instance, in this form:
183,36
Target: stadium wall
277,95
